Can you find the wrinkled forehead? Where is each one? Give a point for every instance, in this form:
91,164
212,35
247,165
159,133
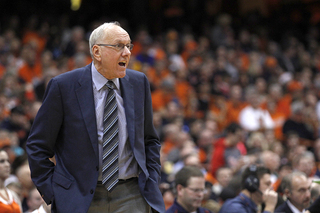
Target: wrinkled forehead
116,34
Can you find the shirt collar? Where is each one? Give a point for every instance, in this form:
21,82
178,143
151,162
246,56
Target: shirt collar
99,80
293,208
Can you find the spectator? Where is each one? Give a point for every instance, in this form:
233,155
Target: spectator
31,71
180,139
256,143
190,188
24,176
314,191
256,189
271,161
305,163
169,132
278,118
234,104
296,188
205,143
9,201
34,200
223,177
17,122
283,170
296,123
208,202
227,150
253,117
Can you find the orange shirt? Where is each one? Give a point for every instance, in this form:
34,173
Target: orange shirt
276,184
2,71
233,111
156,78
245,62
28,73
278,118
283,105
160,99
137,48
183,89
34,37
9,206
219,116
167,146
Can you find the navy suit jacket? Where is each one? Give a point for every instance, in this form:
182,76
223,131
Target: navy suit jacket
283,208
65,127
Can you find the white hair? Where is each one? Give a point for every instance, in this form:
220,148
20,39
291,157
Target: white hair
100,33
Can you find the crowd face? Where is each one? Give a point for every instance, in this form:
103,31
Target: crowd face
264,185
224,176
35,200
191,196
4,165
299,195
306,165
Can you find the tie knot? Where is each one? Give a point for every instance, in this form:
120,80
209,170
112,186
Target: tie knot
110,85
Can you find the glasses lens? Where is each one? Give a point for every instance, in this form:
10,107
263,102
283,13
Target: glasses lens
119,46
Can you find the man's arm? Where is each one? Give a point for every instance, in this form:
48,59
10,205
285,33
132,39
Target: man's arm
152,142
42,138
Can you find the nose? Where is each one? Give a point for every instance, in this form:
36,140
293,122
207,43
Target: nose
308,194
7,164
126,51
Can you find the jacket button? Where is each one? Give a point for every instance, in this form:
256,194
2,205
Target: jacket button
91,191
97,168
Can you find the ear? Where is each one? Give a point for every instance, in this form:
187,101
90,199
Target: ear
96,52
287,192
179,189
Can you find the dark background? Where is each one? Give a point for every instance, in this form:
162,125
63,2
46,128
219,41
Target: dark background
292,16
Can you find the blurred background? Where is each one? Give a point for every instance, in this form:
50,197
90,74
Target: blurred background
159,15
242,71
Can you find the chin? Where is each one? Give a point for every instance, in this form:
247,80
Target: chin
121,74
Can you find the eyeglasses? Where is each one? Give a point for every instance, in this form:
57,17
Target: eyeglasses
119,47
204,191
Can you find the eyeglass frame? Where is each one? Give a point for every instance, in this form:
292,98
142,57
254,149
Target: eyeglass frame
117,46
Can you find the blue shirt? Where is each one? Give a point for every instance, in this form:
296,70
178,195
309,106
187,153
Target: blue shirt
240,204
177,208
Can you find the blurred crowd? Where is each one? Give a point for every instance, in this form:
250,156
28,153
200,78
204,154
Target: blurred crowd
222,100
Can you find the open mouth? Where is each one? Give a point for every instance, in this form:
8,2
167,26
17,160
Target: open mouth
122,64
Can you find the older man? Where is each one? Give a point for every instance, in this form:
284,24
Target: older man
296,187
97,121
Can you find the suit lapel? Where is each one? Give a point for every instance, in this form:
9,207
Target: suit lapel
127,94
86,102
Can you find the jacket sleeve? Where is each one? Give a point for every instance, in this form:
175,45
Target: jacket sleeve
152,141
42,139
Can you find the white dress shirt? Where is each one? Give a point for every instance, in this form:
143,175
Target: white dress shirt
293,208
128,166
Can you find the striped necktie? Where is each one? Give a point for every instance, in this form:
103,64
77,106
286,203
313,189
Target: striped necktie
110,167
